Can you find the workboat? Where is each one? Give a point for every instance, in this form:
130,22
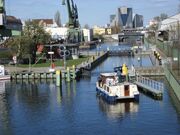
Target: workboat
112,89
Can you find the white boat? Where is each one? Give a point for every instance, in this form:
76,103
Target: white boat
3,86
5,77
2,74
109,87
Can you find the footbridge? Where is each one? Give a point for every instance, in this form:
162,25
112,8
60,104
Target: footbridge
125,52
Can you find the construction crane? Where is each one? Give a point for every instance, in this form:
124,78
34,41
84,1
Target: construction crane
72,13
2,19
74,33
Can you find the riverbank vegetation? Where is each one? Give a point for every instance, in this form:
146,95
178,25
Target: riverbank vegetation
57,63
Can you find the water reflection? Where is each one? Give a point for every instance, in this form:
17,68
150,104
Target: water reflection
70,90
118,110
59,95
32,92
173,99
5,121
2,86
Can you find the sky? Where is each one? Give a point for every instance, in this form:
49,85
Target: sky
91,12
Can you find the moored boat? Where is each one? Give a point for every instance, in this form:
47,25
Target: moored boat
3,76
110,88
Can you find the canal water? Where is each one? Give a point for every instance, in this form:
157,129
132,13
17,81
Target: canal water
41,108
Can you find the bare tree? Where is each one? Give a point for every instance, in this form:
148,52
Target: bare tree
157,18
57,18
86,26
179,8
163,16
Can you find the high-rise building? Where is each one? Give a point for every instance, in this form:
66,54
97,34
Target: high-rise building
112,17
123,18
137,21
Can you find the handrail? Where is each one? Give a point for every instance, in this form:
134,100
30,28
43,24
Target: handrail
150,83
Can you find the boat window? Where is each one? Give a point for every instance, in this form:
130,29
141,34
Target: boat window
107,89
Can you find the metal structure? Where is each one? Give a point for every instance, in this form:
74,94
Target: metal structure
2,17
64,53
2,12
74,32
72,14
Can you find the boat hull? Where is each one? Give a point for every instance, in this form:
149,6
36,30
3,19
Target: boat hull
105,95
5,77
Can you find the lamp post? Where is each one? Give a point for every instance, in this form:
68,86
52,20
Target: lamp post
64,53
51,53
29,63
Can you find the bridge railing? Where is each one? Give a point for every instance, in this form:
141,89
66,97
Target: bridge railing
150,83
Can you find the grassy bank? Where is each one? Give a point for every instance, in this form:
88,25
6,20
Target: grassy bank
57,63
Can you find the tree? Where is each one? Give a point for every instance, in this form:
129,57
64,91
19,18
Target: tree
26,44
163,16
37,35
179,8
86,26
157,18
57,18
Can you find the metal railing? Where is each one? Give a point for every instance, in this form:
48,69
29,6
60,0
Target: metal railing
150,83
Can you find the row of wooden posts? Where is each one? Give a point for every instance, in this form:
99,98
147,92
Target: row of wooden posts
70,74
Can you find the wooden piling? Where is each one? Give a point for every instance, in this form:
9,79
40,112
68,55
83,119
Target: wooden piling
68,79
58,78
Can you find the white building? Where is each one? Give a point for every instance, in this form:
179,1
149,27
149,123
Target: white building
170,22
88,34
61,32
152,22
57,32
172,26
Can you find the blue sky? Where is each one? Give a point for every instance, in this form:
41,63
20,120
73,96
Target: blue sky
92,12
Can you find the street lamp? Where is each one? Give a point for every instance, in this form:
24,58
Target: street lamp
51,53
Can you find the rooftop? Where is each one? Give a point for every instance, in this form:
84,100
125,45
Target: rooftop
47,21
12,19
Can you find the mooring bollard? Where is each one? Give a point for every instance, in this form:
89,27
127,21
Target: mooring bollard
58,78
73,72
68,79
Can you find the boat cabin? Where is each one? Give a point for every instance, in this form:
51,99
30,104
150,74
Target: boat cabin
108,79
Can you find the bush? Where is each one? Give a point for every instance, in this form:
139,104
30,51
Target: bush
6,54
